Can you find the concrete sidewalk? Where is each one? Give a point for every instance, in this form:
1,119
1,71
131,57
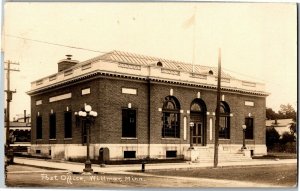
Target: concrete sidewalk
78,167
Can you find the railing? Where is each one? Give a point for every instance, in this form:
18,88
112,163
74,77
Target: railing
154,72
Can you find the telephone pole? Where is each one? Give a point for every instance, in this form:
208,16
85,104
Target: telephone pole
216,152
9,93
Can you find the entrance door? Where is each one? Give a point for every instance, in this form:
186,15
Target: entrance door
198,133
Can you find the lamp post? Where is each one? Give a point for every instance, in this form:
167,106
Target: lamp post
244,131
88,116
191,134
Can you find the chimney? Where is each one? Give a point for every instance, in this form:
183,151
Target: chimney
66,63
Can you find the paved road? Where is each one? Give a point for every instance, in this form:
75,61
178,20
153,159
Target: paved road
23,176
148,179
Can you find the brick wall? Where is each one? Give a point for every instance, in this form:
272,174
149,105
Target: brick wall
107,99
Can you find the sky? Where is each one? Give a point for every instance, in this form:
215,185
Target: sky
258,40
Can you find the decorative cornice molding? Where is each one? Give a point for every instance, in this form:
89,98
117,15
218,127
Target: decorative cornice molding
118,75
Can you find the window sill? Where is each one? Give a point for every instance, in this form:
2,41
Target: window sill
128,138
66,139
129,158
224,139
52,139
170,138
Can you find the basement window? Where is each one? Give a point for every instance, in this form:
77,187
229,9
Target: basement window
171,154
129,154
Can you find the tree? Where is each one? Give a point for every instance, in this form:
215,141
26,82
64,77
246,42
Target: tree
293,128
287,112
272,137
270,114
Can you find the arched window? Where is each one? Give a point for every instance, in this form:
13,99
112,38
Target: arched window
171,118
224,129
196,107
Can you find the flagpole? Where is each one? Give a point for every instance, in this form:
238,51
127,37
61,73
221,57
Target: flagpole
194,37
217,113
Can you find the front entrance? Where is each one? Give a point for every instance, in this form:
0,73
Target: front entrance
198,134
198,117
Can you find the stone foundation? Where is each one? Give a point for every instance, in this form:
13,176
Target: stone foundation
157,151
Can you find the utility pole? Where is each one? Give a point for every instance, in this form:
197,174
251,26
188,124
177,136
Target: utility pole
9,93
217,113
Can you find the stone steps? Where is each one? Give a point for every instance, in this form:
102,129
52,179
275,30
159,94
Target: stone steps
208,156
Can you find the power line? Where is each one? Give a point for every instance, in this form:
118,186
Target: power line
55,44
242,74
98,51
251,76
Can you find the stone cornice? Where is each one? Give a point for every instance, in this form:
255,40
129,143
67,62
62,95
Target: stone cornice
139,78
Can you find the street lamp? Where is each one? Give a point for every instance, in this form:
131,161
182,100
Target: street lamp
244,131
191,134
87,116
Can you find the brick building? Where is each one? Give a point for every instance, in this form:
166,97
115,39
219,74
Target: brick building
144,106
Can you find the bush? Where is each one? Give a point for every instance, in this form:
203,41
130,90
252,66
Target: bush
276,144
272,137
290,147
286,138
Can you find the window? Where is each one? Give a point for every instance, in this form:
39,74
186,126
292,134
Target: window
171,154
39,127
195,107
52,126
129,154
128,123
224,129
171,118
249,129
68,124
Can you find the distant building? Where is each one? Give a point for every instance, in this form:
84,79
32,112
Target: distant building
280,125
20,133
145,105
20,118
